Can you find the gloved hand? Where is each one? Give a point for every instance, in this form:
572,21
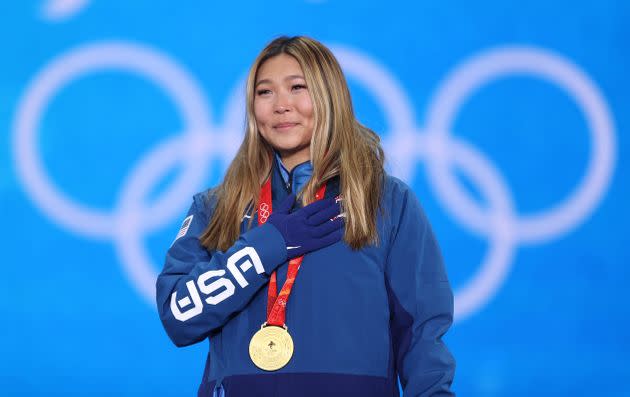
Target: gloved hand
309,228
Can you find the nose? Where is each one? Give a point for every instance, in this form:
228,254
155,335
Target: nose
281,109
282,103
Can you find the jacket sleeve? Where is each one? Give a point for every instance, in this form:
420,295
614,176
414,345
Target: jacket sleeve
197,292
421,303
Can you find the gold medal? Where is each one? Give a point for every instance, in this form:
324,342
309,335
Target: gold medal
271,347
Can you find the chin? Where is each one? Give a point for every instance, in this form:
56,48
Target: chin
287,151
290,146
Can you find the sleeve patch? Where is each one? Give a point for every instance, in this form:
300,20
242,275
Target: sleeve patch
184,229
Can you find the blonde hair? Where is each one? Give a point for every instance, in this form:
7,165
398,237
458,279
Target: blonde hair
340,146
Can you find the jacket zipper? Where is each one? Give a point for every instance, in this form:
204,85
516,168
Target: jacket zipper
290,181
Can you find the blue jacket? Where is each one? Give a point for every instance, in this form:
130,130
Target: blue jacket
359,319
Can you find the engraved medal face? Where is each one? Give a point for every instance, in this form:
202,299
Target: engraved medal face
271,348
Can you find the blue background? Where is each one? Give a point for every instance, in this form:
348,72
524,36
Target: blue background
73,324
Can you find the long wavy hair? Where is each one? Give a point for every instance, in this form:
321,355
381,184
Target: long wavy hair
340,146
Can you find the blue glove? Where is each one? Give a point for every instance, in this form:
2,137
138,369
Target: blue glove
309,228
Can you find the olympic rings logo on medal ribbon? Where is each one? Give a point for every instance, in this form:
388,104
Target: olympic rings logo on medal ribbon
264,212
434,144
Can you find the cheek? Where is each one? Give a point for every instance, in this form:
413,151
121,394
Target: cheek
259,112
306,107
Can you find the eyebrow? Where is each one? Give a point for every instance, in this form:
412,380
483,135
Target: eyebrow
291,77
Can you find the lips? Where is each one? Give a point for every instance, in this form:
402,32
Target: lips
284,126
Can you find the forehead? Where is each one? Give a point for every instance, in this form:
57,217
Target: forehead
278,67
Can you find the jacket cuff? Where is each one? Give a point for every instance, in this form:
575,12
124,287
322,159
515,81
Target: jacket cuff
269,244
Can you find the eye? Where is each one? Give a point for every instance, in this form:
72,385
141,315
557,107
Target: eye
298,87
263,91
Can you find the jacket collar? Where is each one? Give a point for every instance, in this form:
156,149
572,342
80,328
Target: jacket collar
298,176
301,175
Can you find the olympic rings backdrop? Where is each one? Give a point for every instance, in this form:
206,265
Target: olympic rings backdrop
509,120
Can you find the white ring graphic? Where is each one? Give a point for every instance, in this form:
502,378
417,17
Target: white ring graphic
58,10
142,61
498,63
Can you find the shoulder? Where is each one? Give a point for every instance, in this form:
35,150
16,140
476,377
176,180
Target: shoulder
400,202
394,185
396,193
205,202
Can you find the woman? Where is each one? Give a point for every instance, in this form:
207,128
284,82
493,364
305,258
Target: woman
372,299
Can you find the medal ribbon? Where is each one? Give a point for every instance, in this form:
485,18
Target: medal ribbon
277,303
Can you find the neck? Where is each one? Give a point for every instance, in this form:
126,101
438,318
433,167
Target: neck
290,160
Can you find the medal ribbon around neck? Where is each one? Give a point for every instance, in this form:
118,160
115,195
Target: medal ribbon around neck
277,303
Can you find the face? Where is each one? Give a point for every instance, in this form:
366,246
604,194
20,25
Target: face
283,108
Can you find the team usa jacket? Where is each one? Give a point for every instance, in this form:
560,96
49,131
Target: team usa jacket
359,319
